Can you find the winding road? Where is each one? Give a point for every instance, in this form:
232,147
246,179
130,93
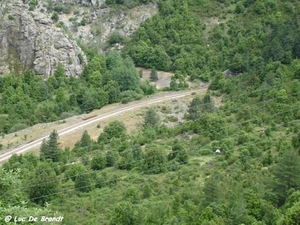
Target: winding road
33,144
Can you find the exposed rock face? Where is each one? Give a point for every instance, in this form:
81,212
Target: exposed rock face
35,42
103,20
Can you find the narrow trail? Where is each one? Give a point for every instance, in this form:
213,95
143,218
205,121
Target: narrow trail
33,144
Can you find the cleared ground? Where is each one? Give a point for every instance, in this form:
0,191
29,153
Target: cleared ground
172,103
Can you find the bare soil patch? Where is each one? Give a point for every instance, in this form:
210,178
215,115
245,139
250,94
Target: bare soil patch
164,78
133,120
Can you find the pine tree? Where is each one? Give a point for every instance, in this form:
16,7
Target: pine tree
50,148
110,158
153,75
194,110
212,189
43,184
53,146
287,174
147,191
151,118
85,140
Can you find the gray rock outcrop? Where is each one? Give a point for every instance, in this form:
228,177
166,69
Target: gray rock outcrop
28,39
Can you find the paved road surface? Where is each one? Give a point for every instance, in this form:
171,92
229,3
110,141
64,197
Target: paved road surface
146,102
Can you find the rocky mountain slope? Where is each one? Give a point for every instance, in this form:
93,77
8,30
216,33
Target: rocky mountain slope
31,37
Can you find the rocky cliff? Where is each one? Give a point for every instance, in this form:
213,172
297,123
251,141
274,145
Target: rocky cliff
28,39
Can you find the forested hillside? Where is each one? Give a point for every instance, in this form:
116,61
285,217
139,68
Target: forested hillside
174,175
27,99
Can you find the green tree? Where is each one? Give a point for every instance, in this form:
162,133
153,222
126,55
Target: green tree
74,170
207,103
125,214
10,183
212,189
43,183
98,162
194,110
126,161
111,158
113,60
281,96
95,79
292,216
113,91
98,65
84,181
154,160
176,148
153,75
137,152
115,129
287,174
86,140
132,194
151,118
147,191
237,64
126,75
50,148
55,16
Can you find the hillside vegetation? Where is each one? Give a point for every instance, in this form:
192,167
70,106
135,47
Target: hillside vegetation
163,175
27,99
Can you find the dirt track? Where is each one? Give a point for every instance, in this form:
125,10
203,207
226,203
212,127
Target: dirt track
92,118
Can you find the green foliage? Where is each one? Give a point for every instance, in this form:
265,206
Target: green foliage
292,215
10,183
50,148
126,75
126,161
254,122
113,90
152,47
287,174
281,96
83,21
43,183
98,162
153,75
23,211
32,4
73,171
55,16
84,182
194,109
124,213
10,17
85,140
111,158
151,118
115,129
178,152
115,38
154,160
212,189
132,194
147,191
28,99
